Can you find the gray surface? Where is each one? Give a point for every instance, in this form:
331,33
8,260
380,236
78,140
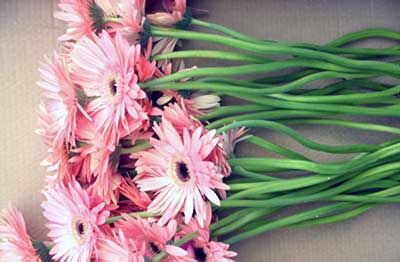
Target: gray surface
28,31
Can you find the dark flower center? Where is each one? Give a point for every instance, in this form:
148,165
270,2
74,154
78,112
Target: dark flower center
113,87
80,230
182,171
154,248
200,255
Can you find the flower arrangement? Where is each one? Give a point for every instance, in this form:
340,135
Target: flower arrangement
142,156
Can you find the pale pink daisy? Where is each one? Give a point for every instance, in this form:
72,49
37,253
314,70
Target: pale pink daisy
15,243
178,116
175,11
132,14
155,237
85,17
105,68
61,99
74,218
99,161
201,248
77,15
119,249
178,172
218,252
58,159
194,226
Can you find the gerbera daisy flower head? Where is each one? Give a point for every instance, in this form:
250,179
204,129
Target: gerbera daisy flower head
74,218
83,17
218,252
177,170
154,237
99,162
175,11
15,243
178,116
132,14
61,101
119,249
58,159
105,68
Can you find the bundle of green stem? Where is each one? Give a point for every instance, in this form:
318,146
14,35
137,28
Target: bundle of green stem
358,86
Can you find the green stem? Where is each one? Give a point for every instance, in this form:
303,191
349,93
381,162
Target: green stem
342,99
337,109
134,214
266,115
271,48
231,110
137,147
267,145
342,149
345,123
330,47
223,55
258,68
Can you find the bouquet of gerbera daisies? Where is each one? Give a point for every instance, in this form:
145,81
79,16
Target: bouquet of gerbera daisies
142,155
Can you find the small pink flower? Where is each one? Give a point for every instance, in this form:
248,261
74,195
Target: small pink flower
76,13
155,237
174,14
99,162
194,226
106,70
178,116
74,218
119,249
219,252
60,100
178,172
15,243
133,17
58,159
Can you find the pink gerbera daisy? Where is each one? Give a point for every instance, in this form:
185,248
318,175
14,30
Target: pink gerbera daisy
156,238
175,11
105,68
119,249
15,243
74,218
132,13
219,252
61,101
83,17
76,13
178,172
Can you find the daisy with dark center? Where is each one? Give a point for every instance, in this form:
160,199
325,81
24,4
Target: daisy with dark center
178,172
83,17
74,217
106,70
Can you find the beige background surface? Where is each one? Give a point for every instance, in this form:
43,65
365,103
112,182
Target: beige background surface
28,32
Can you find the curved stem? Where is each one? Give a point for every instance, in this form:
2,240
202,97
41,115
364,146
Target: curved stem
255,69
271,48
223,55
